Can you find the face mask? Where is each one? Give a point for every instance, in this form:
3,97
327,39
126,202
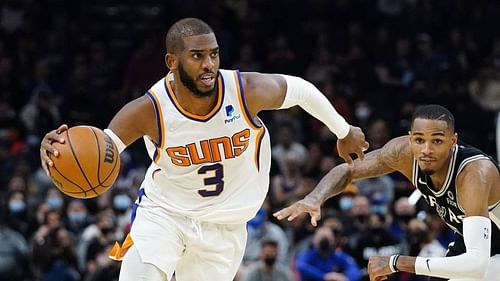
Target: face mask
324,245
378,231
418,237
16,206
122,202
345,203
379,209
362,218
77,217
55,202
270,260
404,218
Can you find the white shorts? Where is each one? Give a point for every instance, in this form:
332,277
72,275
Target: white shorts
192,249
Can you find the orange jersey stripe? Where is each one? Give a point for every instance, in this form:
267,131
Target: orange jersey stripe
242,103
258,142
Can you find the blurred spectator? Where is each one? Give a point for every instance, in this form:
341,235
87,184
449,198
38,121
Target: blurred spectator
403,213
422,242
41,114
13,254
77,217
54,199
485,91
53,254
17,214
261,229
376,240
324,262
289,186
106,269
246,59
357,220
94,238
286,143
267,269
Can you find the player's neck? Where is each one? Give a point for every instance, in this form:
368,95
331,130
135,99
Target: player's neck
190,102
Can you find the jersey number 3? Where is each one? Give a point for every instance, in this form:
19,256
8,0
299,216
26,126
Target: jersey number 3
216,180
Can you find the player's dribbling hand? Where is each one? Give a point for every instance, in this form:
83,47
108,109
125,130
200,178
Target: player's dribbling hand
306,205
378,268
353,143
46,147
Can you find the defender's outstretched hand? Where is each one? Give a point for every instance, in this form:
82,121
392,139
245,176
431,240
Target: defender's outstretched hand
353,143
305,205
378,268
46,147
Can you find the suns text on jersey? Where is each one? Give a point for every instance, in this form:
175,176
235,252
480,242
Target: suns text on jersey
210,150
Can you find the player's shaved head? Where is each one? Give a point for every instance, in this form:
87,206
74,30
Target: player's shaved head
183,28
434,112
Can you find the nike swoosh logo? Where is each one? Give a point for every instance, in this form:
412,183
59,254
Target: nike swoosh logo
427,262
420,181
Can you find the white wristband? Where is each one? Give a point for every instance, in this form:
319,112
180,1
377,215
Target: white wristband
118,142
306,95
392,263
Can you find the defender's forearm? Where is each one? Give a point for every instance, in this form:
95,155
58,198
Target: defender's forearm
332,183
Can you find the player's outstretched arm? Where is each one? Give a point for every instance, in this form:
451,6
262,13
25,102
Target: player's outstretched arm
475,188
376,163
276,91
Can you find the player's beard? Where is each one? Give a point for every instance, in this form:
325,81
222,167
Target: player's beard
428,172
189,83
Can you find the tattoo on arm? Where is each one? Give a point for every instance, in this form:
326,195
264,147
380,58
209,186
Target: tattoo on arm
392,157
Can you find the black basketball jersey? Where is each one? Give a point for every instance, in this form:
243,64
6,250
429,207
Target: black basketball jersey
445,200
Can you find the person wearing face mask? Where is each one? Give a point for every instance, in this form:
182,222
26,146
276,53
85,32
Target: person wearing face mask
403,213
17,215
267,269
322,262
375,240
261,229
54,199
77,216
122,202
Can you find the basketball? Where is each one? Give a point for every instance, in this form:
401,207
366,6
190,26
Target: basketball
88,162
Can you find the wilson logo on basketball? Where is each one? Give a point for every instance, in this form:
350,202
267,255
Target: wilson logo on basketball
109,154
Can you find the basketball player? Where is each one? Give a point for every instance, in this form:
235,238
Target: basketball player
210,158
459,181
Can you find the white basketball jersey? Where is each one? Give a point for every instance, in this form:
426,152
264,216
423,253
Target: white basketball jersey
211,168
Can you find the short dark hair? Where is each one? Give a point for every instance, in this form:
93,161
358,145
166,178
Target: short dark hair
271,243
182,28
434,112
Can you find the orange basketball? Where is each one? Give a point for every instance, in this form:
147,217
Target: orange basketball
88,162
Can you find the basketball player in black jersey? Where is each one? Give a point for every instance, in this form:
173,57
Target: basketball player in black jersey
459,181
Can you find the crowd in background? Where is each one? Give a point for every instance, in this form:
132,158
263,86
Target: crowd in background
78,62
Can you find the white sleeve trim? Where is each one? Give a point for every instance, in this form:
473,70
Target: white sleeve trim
118,142
306,95
473,263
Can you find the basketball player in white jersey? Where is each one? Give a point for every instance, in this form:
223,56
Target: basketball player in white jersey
459,181
210,158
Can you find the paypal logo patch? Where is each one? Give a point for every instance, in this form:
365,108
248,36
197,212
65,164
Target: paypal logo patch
230,115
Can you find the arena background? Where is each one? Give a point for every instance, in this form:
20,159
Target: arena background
78,62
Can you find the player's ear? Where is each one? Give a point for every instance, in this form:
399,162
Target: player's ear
171,61
454,139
